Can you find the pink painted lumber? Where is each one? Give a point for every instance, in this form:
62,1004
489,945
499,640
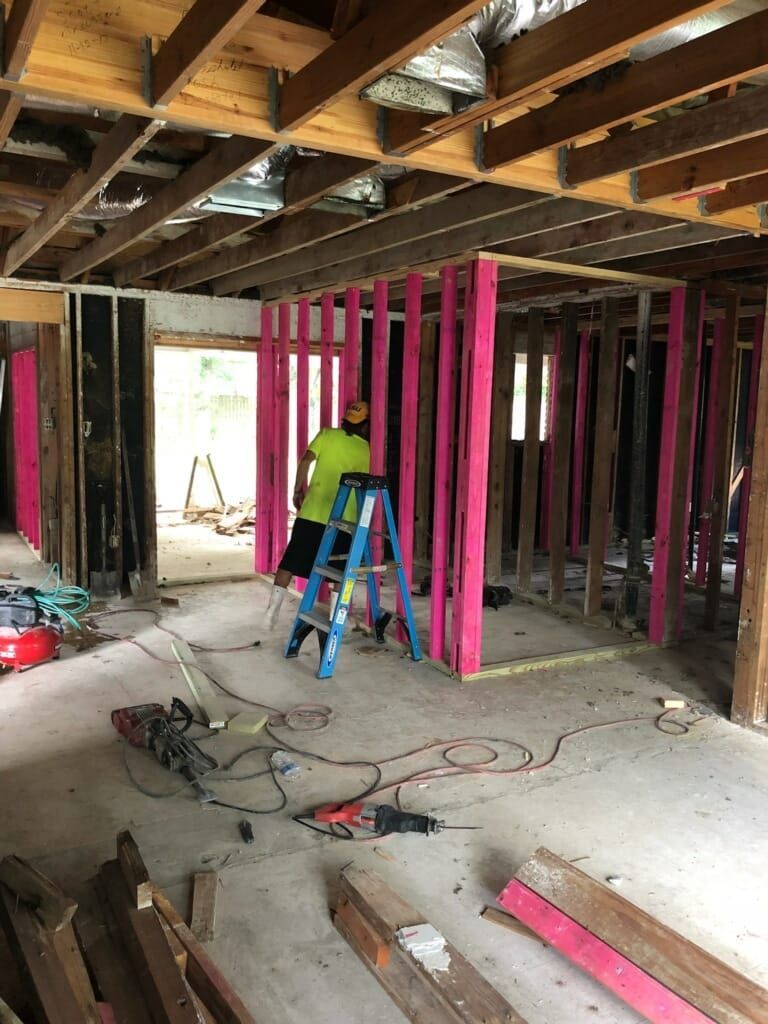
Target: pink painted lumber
265,445
348,383
706,490
340,396
638,989
472,466
749,443
446,401
666,482
282,429
302,378
409,420
691,460
579,442
548,454
379,375
327,318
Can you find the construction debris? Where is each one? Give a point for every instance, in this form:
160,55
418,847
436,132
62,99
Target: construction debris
112,961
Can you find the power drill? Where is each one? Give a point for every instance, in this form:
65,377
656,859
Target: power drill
380,819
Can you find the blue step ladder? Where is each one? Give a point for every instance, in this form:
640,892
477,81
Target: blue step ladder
359,562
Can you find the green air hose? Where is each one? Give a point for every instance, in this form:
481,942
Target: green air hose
56,599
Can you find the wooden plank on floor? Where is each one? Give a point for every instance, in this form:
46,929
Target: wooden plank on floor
566,386
52,907
427,388
714,988
202,973
71,959
203,919
207,698
162,985
465,995
604,435
529,487
501,432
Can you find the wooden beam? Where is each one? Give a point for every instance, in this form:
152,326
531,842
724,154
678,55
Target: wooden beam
129,135
52,907
563,406
750,684
10,105
723,456
691,173
740,117
732,52
141,932
134,871
202,33
580,41
501,432
671,531
297,232
529,487
383,41
736,194
203,975
604,450
20,30
409,408
229,159
715,989
45,979
483,211
202,921
347,13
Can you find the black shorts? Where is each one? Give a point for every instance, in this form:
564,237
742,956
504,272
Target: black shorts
300,555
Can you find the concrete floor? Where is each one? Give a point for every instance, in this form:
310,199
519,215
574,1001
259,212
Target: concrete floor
195,550
681,820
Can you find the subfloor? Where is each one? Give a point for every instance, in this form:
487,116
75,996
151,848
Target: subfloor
678,820
196,551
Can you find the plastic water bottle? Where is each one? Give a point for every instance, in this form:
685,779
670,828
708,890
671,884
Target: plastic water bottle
284,763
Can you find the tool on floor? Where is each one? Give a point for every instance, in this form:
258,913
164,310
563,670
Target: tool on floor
380,819
152,727
134,575
198,682
366,489
30,634
246,831
103,583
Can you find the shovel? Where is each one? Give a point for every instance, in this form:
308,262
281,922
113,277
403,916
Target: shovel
104,583
134,575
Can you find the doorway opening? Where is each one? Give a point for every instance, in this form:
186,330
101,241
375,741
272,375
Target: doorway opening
205,458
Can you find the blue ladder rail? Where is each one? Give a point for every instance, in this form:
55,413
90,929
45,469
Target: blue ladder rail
331,633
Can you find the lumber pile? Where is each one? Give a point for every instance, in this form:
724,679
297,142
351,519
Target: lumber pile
658,972
122,956
387,934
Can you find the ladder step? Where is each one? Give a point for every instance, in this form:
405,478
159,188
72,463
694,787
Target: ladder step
329,573
318,621
343,524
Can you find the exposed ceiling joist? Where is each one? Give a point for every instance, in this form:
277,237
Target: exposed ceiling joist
305,229
747,192
202,33
383,41
128,136
303,187
529,219
19,34
692,173
10,106
576,43
740,117
228,160
482,203
702,65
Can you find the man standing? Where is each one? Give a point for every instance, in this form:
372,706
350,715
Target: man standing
334,451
